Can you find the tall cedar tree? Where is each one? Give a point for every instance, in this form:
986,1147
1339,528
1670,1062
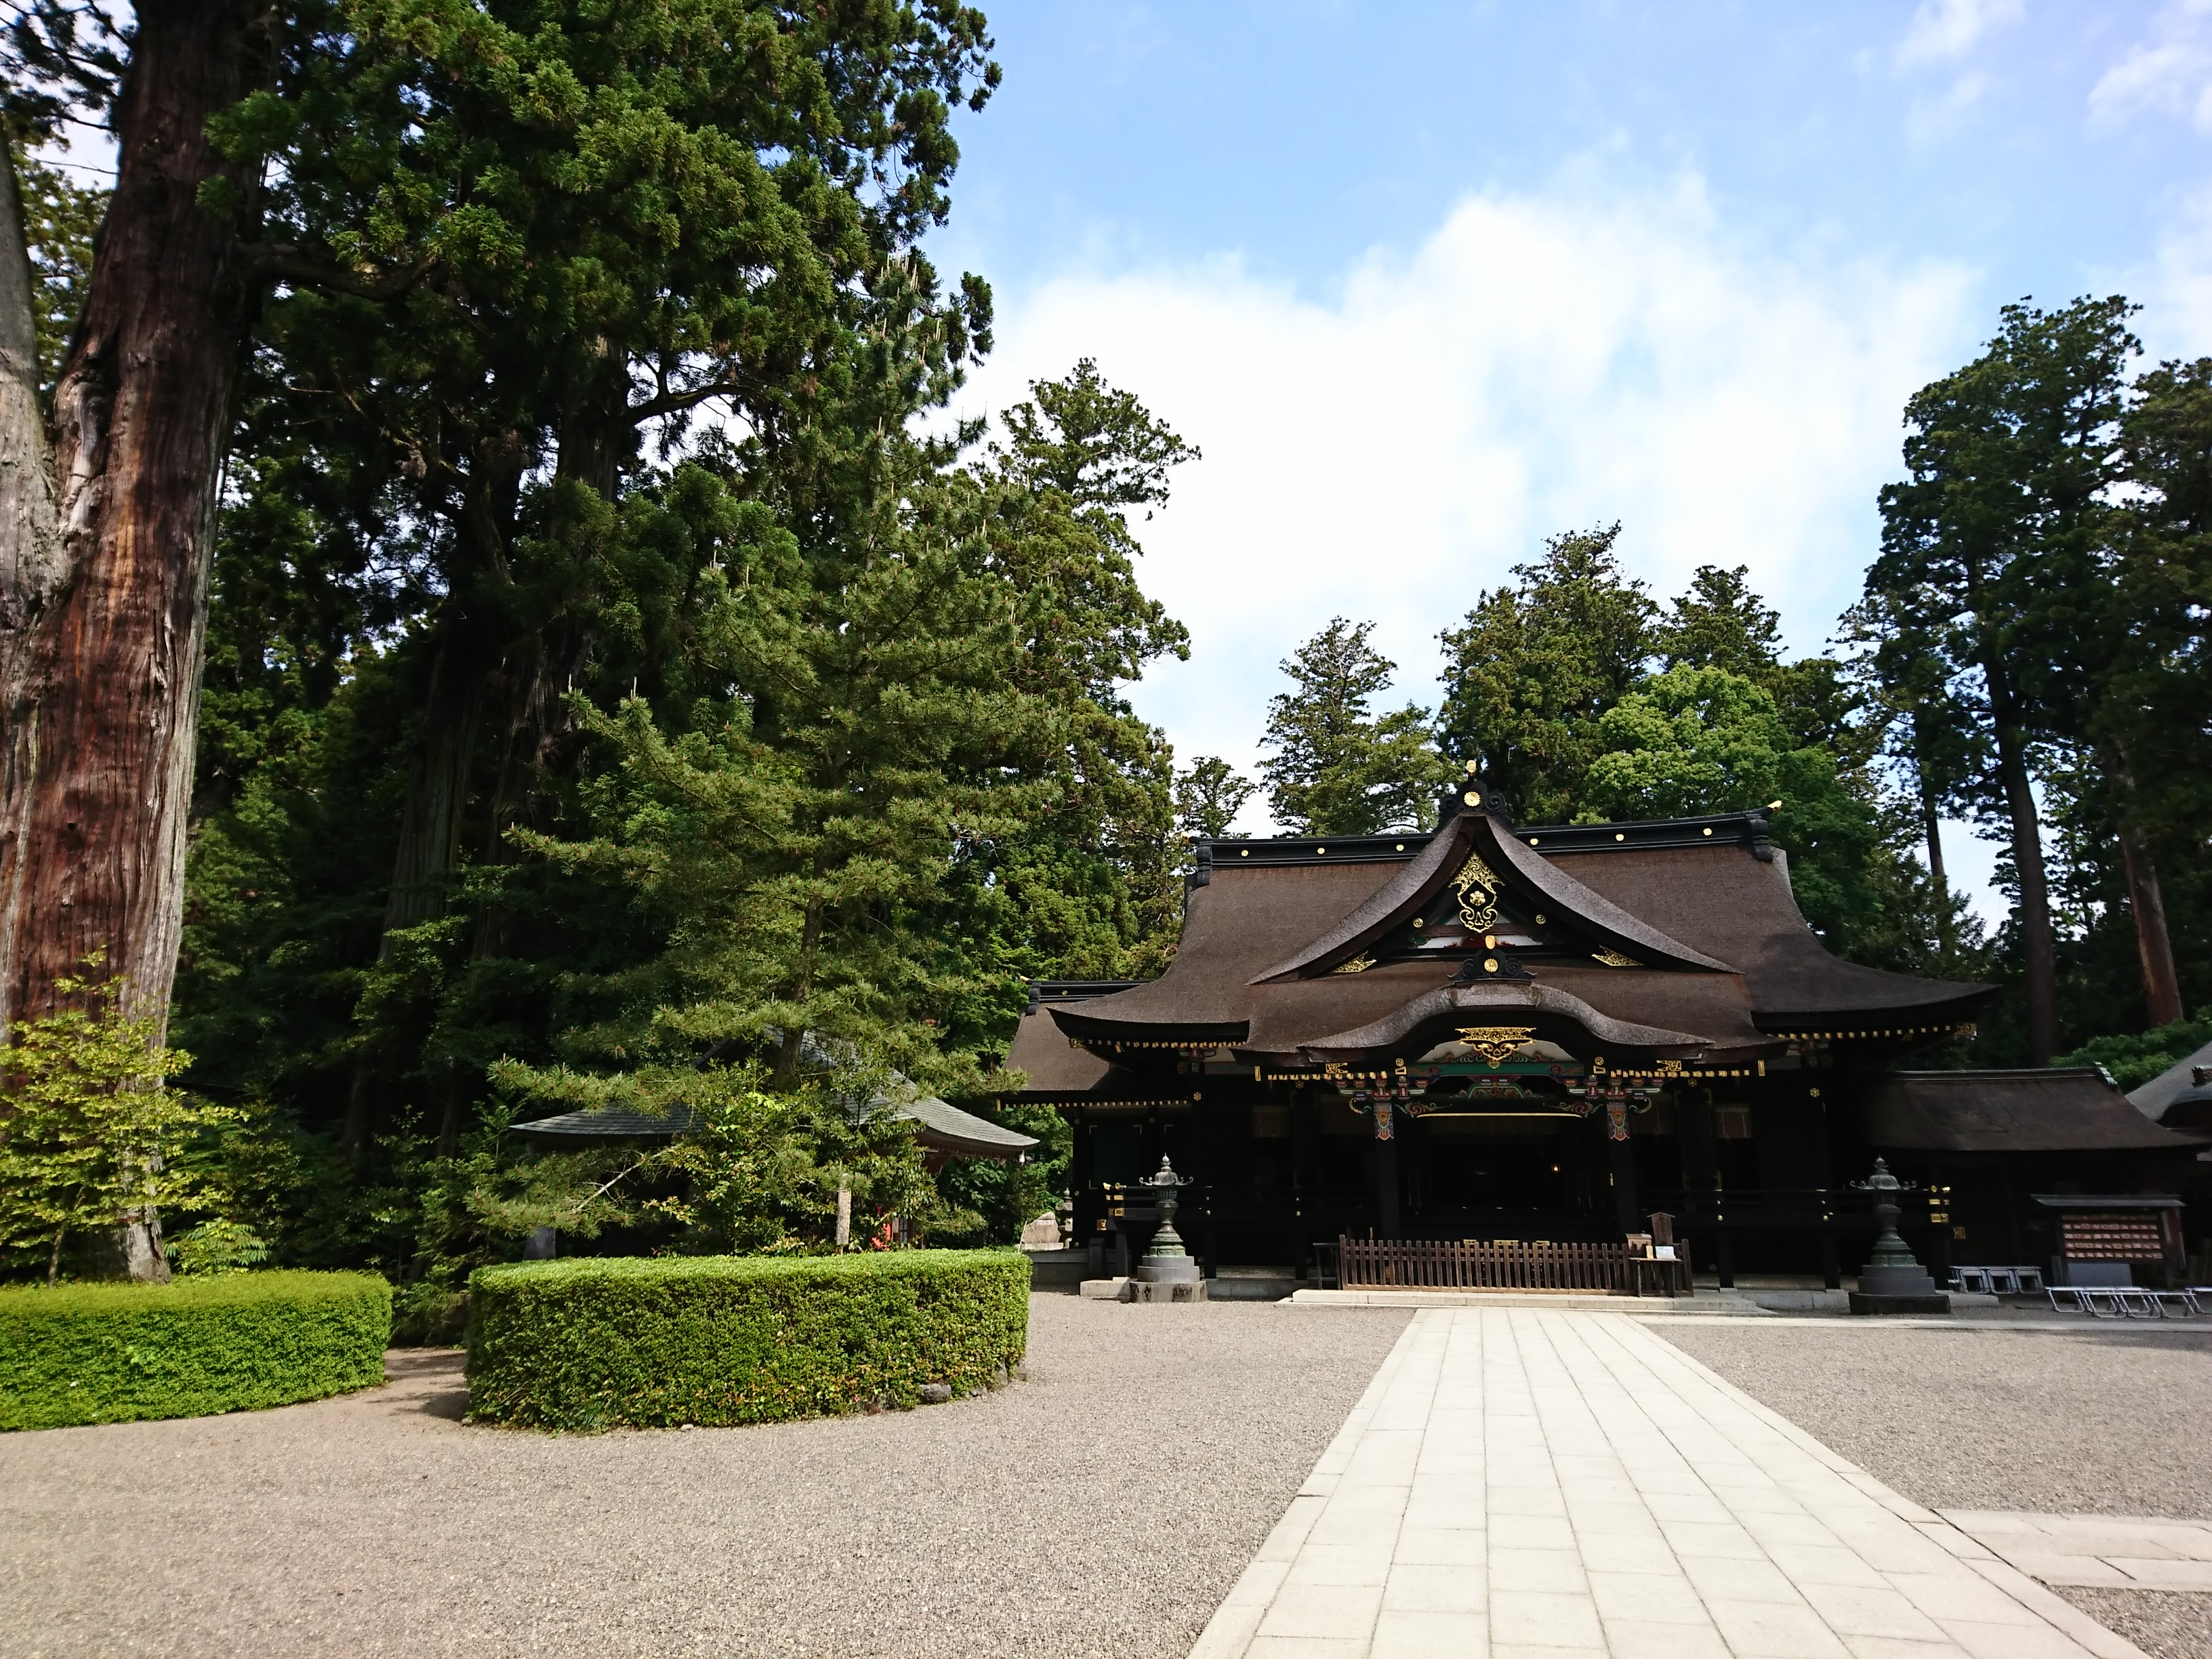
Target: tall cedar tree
1536,663
2155,711
1335,767
2000,519
107,508
1209,793
592,222
613,219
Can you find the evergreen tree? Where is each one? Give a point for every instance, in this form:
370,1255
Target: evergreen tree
1536,663
1208,796
1997,525
1719,624
1336,768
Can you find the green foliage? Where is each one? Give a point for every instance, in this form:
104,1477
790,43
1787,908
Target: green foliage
90,1134
2135,1059
755,1171
724,1340
2035,627
1695,740
1208,795
1536,663
60,218
117,1354
1002,1195
2156,706
1337,768
217,1246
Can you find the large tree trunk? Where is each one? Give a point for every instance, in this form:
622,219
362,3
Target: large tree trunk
2146,898
103,655
2039,951
104,570
33,568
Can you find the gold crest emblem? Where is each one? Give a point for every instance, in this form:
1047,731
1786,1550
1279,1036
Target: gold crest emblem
1496,1043
1478,889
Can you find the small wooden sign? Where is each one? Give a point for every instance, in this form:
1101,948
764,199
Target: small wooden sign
2111,1237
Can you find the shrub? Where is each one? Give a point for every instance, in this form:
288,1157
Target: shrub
113,1354
429,1315
218,1246
589,1344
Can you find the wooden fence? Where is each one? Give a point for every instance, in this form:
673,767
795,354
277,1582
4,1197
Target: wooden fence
1504,1265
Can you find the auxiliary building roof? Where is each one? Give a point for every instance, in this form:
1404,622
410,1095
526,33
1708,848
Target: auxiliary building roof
2070,1109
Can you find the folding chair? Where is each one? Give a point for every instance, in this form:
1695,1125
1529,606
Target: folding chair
2100,1302
2004,1281
2136,1303
2175,1304
1974,1281
2031,1280
2075,1302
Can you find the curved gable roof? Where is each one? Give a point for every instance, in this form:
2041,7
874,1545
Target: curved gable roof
1480,833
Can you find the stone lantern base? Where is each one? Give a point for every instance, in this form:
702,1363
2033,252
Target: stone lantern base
1166,1290
1898,1290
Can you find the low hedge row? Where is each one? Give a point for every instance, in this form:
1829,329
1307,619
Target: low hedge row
591,1344
112,1354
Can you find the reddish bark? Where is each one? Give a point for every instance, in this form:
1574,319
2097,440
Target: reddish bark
102,663
2146,897
2039,949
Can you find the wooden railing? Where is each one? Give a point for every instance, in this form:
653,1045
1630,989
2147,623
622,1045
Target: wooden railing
1504,1265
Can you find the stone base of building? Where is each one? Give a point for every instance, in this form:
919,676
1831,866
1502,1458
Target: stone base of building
1874,1302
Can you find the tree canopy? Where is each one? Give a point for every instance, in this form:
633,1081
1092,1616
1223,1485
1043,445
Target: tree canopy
1336,766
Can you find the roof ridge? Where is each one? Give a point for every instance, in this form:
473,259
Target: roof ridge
1425,873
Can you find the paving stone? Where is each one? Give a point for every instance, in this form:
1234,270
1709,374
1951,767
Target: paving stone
1620,1498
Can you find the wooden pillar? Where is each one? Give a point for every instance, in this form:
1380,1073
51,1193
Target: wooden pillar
1305,1171
1626,1217
1832,1267
1387,1222
1701,1175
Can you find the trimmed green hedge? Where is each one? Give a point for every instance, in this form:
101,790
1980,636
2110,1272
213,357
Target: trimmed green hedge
112,1353
590,1344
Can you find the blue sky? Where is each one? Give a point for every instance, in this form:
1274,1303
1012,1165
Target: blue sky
1428,283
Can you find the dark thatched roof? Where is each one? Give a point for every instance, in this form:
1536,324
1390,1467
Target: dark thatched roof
1672,940
2073,1109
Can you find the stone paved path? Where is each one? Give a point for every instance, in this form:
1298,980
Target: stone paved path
2106,1552
1515,1484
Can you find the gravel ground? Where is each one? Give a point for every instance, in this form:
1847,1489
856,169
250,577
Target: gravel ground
1102,1507
2105,1421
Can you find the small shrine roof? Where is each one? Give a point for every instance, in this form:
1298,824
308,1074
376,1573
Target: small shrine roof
2073,1109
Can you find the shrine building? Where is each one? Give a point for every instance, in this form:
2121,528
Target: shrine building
1549,1032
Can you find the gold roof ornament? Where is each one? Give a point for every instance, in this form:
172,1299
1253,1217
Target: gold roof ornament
1357,965
1613,958
1478,889
1496,1043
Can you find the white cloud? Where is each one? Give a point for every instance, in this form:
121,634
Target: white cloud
1540,364
1944,30
2177,319
2170,72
